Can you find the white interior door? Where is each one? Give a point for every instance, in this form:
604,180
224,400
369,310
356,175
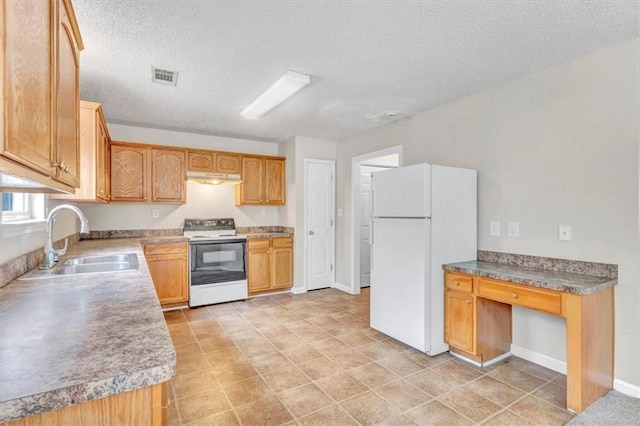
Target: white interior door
365,219
320,196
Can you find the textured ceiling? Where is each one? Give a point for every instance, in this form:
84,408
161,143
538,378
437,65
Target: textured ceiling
365,57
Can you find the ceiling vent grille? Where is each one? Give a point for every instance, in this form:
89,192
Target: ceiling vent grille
160,76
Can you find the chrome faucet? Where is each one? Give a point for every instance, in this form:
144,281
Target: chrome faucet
51,255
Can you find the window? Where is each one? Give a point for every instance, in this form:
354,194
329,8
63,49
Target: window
22,214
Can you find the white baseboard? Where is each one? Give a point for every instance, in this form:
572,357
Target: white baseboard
343,287
298,290
626,388
540,359
561,367
477,364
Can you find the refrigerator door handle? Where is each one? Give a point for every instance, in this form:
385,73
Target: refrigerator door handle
371,212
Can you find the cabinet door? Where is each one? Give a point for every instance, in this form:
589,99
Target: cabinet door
226,163
200,161
168,178
281,267
274,181
28,33
459,321
128,173
169,274
258,269
102,161
67,141
251,190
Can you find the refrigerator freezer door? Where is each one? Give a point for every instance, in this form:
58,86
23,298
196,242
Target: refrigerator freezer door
399,270
402,192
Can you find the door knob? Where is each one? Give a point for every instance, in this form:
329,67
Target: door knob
310,232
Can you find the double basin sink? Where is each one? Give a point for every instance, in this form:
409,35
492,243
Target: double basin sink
87,265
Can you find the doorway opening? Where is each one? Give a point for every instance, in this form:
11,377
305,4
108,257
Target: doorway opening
361,168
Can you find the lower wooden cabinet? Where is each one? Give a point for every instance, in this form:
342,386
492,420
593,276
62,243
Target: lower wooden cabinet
270,264
168,266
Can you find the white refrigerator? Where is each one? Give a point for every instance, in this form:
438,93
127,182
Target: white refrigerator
422,217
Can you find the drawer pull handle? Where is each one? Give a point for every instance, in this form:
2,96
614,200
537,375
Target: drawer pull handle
166,249
467,301
456,282
514,296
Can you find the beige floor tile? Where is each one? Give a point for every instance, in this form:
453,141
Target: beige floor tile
215,343
258,348
189,349
329,346
537,370
426,360
248,336
514,377
174,317
470,404
432,383
236,372
332,415
227,418
373,375
370,409
302,353
314,336
506,418
348,358
181,334
205,404
286,341
560,380
403,395
319,368
401,365
435,413
287,378
341,386
270,362
494,390
191,363
398,420
553,394
268,411
275,331
456,370
245,391
377,350
356,339
193,383
304,400
540,412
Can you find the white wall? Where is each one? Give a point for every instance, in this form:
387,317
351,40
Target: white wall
556,147
297,150
203,201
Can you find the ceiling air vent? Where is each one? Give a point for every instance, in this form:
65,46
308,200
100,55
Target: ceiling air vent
158,75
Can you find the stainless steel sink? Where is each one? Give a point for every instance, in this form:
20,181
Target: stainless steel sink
109,258
87,265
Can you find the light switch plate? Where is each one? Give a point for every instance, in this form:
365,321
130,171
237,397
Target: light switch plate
155,213
564,233
340,212
494,229
513,229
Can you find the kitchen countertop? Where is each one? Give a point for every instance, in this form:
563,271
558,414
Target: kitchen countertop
256,235
553,280
72,339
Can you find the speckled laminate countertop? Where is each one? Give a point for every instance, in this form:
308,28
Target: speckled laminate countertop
72,339
256,235
542,278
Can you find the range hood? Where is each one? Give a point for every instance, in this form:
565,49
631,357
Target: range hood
213,178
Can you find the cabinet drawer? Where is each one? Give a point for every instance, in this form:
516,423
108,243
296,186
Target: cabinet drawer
535,298
282,242
459,282
261,243
165,248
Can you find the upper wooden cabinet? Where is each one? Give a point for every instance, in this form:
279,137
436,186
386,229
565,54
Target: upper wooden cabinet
263,181
168,176
129,173
213,162
94,160
40,85
147,173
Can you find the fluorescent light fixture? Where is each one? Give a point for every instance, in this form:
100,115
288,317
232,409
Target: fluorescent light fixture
282,89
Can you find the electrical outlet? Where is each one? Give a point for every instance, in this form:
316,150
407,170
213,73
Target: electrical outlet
340,212
513,229
155,213
564,233
494,229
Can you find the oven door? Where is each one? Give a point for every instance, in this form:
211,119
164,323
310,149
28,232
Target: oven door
218,261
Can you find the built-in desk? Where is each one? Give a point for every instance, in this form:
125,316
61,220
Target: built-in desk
478,300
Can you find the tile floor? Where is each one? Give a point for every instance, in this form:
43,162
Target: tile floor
312,359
